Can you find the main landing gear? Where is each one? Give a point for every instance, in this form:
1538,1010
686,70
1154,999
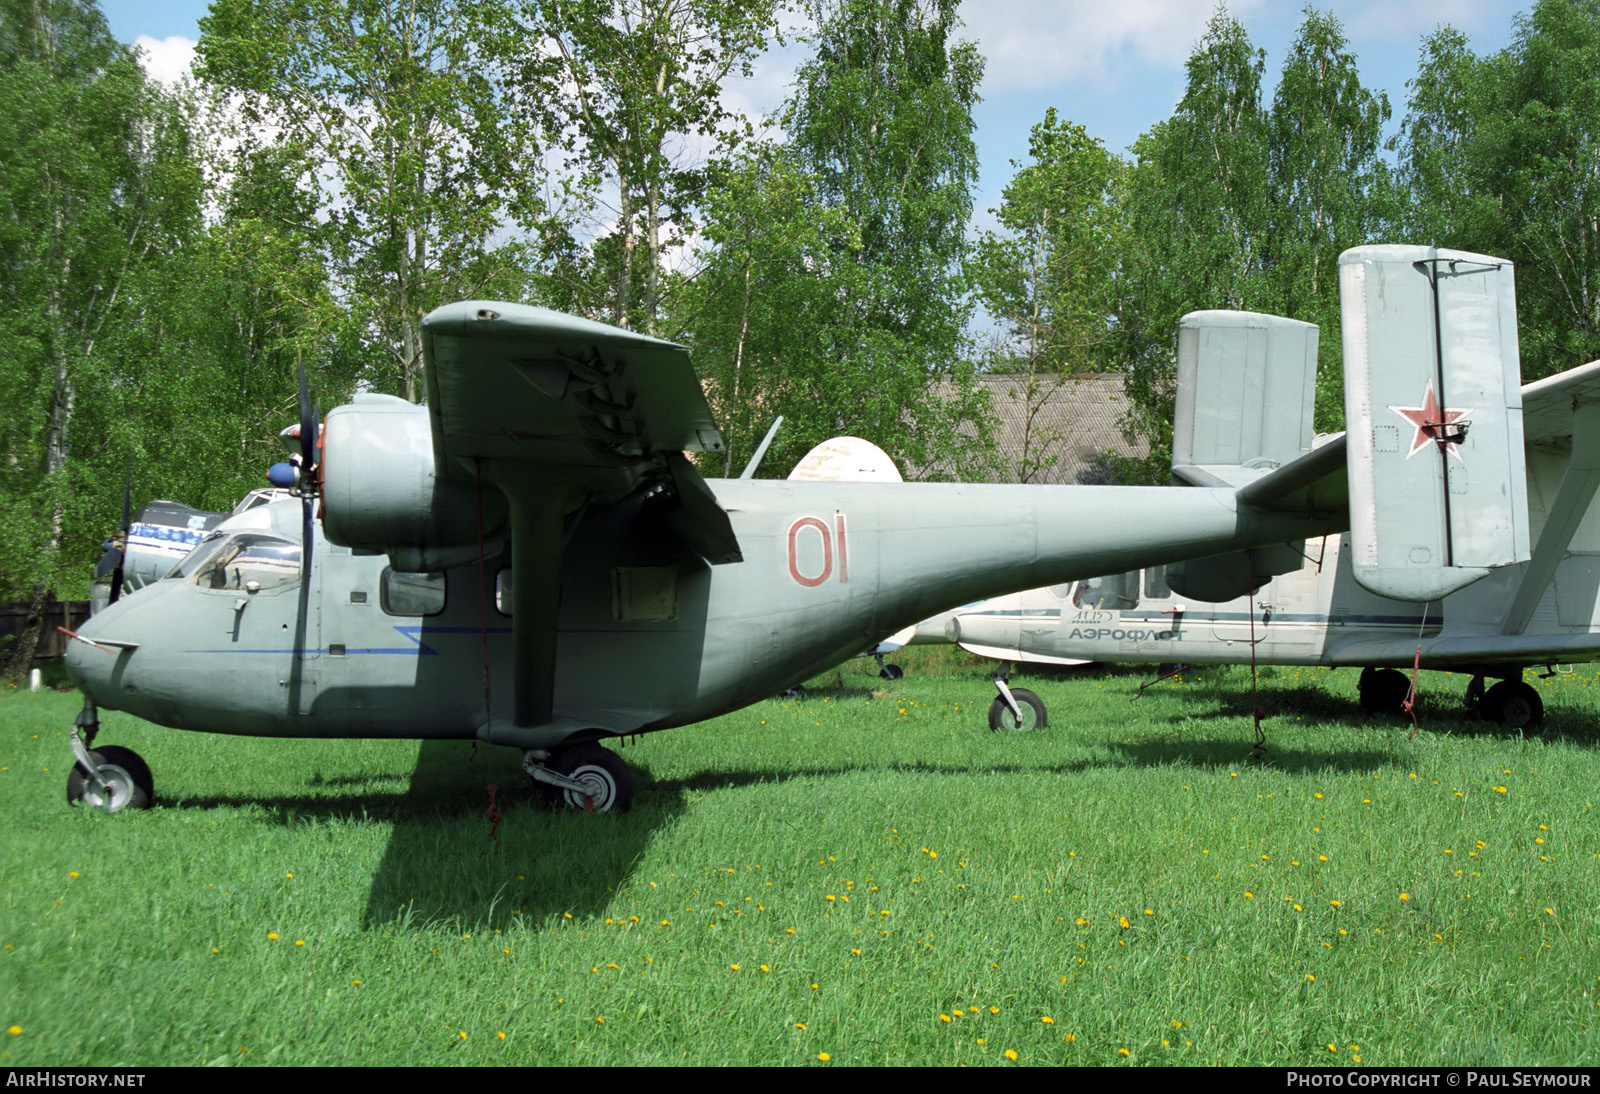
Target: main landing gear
1509,702
1512,703
111,778
584,776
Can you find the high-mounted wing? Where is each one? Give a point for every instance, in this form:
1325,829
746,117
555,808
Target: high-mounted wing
533,386
556,412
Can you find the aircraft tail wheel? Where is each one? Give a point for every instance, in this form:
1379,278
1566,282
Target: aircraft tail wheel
1382,691
1031,706
607,775
1514,705
124,781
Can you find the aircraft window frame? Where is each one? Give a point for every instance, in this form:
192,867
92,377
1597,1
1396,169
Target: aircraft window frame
421,586
1108,592
267,561
198,554
503,591
1155,583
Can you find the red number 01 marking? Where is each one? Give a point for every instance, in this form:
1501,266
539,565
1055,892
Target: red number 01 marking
833,544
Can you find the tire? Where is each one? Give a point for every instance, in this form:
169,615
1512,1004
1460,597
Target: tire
603,771
1514,705
132,785
891,672
1383,691
1033,713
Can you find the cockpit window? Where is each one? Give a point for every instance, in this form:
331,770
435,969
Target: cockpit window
266,560
1114,592
192,561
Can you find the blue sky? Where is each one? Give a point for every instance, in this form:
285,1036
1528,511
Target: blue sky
1113,66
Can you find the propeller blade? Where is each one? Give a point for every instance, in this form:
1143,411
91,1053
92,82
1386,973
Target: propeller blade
308,423
127,527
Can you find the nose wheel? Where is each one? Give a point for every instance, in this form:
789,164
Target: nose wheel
111,779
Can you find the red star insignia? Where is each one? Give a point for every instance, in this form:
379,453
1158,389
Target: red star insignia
1432,424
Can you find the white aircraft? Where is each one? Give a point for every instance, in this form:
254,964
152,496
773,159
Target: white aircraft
1309,605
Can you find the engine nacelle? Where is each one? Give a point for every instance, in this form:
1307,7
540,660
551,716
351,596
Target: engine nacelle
380,491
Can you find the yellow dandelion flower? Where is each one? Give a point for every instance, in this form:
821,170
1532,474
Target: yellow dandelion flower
73,873
1047,1020
600,1019
944,1018
272,935
299,942
735,968
462,1034
799,1025
1011,1054
14,1030
1071,1037
824,1057
1123,1052
1122,921
1248,893
1405,896
500,1034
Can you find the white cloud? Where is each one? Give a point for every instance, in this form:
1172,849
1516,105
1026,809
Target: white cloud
1030,44
168,60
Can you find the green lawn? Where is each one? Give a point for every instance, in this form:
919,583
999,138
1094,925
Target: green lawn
866,876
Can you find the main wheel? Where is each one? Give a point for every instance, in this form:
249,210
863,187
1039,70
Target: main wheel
1513,704
1382,691
605,774
891,672
1033,713
131,786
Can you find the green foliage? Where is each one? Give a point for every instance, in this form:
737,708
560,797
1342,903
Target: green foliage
98,187
631,83
400,104
836,299
1499,157
1237,205
1050,278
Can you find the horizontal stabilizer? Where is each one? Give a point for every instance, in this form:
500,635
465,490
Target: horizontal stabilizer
1246,385
1438,492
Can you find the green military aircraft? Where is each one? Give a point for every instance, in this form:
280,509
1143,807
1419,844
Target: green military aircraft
530,559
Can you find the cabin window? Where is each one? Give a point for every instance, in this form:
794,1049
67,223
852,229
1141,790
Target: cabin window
502,592
1113,593
1155,583
411,594
269,562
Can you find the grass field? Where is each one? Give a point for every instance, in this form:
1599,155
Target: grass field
868,876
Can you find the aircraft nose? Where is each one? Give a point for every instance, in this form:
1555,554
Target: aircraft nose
96,650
